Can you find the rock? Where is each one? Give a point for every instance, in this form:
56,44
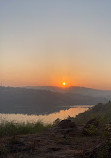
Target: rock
64,124
54,148
86,152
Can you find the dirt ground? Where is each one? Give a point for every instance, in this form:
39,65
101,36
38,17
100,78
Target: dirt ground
49,144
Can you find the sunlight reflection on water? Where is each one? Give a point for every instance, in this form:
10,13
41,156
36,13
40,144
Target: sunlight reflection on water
62,114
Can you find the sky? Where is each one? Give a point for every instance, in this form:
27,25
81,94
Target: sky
46,42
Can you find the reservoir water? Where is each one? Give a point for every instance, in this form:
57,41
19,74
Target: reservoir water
71,111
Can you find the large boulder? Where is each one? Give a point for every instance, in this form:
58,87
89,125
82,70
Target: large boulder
64,124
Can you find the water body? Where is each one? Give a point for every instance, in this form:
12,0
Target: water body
46,118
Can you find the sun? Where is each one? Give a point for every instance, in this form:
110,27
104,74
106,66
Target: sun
64,83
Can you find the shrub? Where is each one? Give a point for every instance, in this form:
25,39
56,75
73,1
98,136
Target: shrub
91,127
90,130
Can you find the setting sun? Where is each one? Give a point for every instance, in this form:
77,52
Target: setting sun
64,83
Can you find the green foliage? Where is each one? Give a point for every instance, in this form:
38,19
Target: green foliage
11,128
90,130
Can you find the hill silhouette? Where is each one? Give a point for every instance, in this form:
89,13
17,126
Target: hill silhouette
75,90
40,101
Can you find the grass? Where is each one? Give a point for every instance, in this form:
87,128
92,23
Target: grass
11,128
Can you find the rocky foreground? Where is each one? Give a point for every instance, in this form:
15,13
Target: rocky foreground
66,140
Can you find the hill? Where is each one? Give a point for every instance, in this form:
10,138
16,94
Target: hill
75,90
40,101
100,111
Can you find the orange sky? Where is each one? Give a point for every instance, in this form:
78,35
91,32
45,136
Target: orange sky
48,43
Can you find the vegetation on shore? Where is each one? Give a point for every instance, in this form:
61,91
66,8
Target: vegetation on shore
12,128
101,112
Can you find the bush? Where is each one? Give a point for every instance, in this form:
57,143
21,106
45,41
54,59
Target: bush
91,127
90,130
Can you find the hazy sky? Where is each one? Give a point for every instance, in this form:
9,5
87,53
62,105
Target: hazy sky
45,42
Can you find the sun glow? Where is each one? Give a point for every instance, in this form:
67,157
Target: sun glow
64,83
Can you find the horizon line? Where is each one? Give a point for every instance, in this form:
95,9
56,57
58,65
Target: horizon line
54,86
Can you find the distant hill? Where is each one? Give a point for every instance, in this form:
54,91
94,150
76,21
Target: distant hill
39,100
75,90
